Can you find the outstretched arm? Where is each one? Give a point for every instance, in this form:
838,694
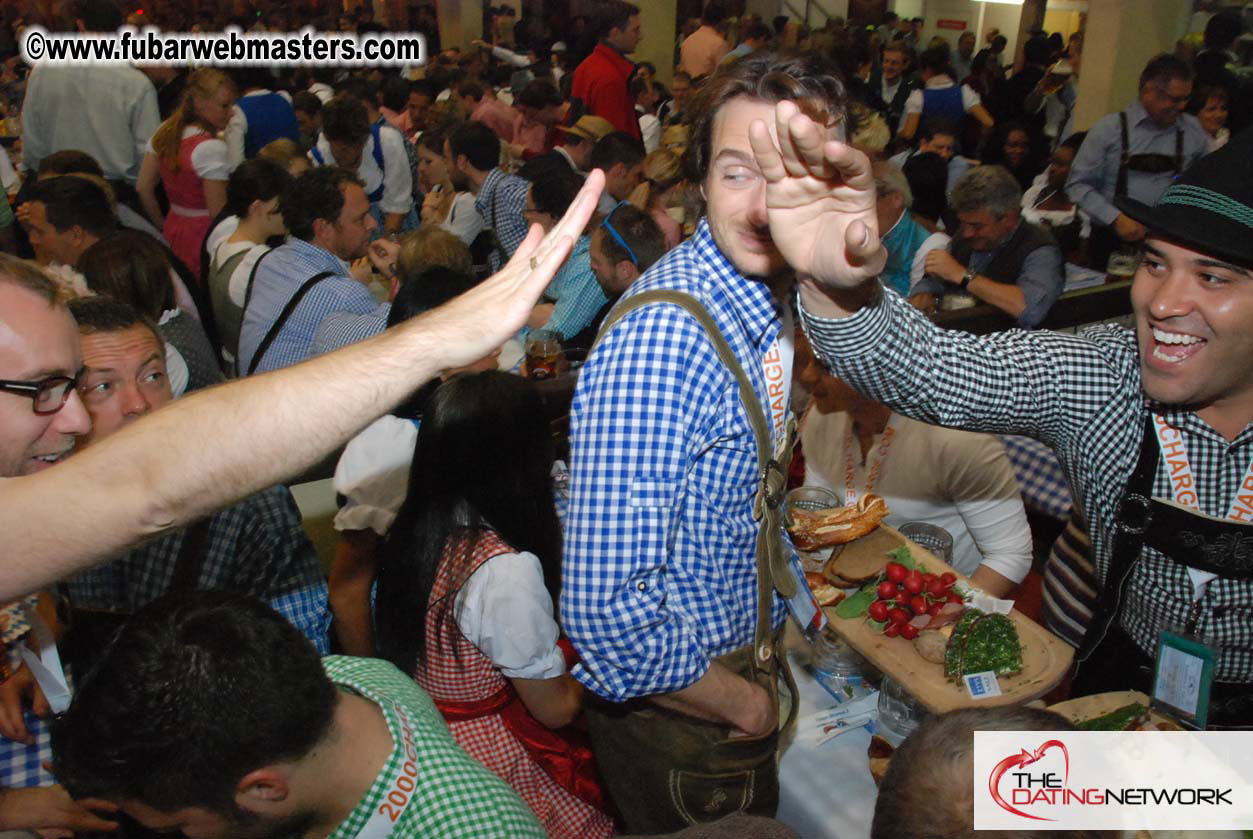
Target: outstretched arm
215,446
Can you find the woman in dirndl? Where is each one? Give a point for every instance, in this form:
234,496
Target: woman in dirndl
467,582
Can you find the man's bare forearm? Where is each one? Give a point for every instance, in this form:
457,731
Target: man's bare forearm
723,697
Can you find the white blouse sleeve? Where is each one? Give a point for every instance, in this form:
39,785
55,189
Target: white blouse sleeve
918,268
505,611
913,103
176,369
233,135
969,98
373,475
209,159
8,175
237,286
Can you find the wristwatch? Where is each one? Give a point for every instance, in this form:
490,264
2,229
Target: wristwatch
966,278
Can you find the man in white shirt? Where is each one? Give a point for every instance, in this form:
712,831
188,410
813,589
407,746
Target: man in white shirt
891,84
376,153
645,96
107,111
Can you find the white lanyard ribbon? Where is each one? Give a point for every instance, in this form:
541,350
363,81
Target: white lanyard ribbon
45,663
1183,489
391,806
874,466
777,369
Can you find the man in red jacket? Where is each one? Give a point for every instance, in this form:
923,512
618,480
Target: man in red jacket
600,81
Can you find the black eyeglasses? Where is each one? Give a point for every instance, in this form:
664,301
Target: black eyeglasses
47,395
618,236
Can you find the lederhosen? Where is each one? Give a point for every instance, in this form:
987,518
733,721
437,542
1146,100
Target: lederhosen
1104,241
664,770
1108,658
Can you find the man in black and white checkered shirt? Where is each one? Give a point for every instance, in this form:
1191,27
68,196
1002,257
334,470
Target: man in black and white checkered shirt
1188,362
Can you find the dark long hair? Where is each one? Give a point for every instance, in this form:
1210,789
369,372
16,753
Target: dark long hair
482,465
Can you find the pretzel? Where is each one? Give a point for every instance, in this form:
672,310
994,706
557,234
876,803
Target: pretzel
814,529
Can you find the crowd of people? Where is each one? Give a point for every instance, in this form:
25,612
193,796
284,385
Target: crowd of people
238,273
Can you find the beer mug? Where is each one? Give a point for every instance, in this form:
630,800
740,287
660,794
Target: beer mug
543,353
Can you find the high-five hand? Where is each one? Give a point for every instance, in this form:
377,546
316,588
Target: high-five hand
820,198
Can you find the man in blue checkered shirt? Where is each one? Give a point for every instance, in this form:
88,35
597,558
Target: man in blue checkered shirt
328,215
1153,426
659,574
500,198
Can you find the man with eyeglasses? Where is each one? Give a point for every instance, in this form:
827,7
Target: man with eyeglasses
1135,153
41,418
40,414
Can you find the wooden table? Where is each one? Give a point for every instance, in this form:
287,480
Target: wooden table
1074,308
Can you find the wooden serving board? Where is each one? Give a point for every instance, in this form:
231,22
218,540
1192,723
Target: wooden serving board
1086,708
1045,657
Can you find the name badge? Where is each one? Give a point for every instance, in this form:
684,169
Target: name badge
803,605
1183,676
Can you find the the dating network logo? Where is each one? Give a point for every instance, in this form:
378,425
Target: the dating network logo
1113,780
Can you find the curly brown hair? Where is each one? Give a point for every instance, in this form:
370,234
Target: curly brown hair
809,79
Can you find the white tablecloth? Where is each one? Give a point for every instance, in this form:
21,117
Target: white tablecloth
826,791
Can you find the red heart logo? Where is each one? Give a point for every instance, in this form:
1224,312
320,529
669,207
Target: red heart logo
1024,758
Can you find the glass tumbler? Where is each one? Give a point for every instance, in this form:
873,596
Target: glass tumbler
899,713
811,498
932,537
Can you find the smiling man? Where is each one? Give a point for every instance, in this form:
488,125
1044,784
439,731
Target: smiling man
997,257
1136,153
1153,426
42,415
41,419
661,594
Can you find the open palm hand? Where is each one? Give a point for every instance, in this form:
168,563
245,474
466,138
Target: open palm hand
820,199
